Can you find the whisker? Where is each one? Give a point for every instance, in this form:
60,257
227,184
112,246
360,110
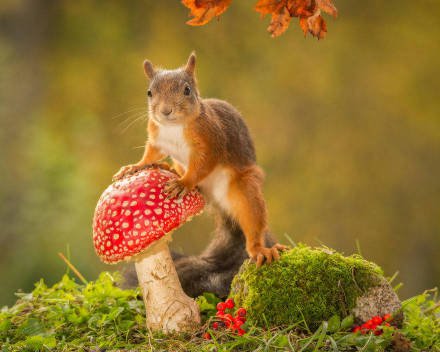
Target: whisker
134,121
129,118
128,111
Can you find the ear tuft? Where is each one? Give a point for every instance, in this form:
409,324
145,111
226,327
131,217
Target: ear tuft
149,70
191,64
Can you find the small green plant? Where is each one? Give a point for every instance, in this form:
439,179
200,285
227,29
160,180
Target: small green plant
99,316
422,323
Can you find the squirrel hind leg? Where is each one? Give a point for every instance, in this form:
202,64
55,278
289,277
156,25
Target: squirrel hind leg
249,209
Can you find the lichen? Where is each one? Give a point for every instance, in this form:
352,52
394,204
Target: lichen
307,285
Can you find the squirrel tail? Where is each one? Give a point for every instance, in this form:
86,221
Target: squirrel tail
214,269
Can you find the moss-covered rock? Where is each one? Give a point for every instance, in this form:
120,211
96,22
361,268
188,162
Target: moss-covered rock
312,285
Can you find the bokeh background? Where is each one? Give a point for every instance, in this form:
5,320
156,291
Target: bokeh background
347,128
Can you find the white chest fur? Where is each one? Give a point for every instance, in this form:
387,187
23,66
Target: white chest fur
171,141
216,187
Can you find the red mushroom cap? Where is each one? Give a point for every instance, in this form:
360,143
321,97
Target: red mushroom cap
133,213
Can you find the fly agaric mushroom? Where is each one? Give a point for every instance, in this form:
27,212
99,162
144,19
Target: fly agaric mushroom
134,220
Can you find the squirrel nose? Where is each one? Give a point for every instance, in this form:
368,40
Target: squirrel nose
166,111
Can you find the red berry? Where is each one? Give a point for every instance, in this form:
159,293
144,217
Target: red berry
221,306
215,325
378,332
387,317
241,332
238,323
356,329
387,324
220,313
228,317
207,336
241,312
243,319
229,303
377,320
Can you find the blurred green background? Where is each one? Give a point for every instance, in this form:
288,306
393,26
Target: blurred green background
347,129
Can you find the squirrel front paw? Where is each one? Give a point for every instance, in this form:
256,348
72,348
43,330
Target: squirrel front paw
127,170
266,255
175,188
133,168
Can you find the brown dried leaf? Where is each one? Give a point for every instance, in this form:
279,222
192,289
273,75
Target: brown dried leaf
204,11
301,7
281,11
279,23
328,7
317,25
266,7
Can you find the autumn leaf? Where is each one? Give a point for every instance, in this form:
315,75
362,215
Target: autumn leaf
299,8
204,11
280,22
314,24
328,7
267,7
281,11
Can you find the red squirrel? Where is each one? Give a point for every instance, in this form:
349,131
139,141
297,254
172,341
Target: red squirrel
211,148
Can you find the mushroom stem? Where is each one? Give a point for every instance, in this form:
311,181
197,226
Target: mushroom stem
168,307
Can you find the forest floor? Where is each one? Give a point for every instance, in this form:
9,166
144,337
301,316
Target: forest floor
100,316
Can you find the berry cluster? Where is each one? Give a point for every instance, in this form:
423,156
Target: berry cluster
373,325
227,320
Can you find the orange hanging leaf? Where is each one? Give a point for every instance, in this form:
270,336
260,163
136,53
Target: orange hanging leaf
204,11
328,7
281,11
280,22
268,7
316,25
299,8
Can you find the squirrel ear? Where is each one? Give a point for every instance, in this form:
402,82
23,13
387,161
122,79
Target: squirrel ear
149,70
191,64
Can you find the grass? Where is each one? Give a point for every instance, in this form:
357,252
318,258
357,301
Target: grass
99,316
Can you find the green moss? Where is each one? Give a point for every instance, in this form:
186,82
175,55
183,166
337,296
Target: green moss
307,284
98,316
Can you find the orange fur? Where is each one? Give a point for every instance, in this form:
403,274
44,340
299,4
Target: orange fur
248,206
214,136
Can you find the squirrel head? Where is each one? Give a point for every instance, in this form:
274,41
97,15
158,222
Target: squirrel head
173,97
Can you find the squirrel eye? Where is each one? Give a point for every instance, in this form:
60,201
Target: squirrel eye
149,93
187,90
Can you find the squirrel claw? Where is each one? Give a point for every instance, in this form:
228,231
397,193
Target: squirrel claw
280,247
175,188
133,168
127,170
261,255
